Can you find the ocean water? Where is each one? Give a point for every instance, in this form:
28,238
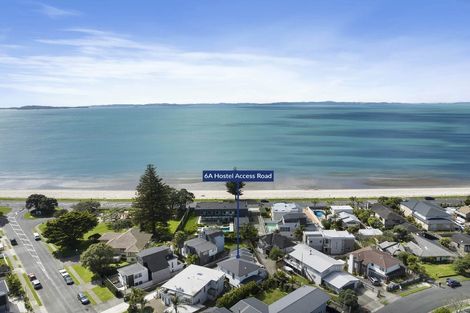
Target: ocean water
322,145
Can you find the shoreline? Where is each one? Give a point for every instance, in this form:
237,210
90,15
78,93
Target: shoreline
248,194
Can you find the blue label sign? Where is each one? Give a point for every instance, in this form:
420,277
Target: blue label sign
237,176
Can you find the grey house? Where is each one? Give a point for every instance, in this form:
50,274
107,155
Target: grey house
220,212
387,216
429,215
305,299
267,242
206,246
462,243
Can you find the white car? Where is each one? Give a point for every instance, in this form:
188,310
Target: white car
64,273
36,236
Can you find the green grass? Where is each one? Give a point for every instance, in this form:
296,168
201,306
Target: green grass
271,295
15,257
301,280
410,291
233,245
103,293
191,224
172,225
28,216
101,228
4,210
75,280
92,300
84,273
8,261
42,227
33,291
437,271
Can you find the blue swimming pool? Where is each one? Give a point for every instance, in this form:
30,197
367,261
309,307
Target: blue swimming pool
319,213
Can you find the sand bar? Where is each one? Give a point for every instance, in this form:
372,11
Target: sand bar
251,194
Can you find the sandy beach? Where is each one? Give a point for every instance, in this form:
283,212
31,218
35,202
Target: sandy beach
251,194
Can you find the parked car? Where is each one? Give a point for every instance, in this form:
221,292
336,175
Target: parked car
429,198
36,284
32,276
374,281
13,242
82,298
453,283
36,236
63,272
68,280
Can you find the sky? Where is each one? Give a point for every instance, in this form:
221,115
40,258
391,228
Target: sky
88,52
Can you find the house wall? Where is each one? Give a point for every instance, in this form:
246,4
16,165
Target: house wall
406,211
439,224
219,242
236,280
139,278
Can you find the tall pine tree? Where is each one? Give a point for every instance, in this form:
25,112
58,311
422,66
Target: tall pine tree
152,201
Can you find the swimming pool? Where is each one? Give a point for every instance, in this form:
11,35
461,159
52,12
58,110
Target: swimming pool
319,213
271,227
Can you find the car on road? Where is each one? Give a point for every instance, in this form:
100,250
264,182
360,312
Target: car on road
13,242
32,276
36,236
63,272
82,298
374,281
453,283
68,280
36,284
429,198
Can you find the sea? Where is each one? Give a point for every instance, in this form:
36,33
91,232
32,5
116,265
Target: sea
308,145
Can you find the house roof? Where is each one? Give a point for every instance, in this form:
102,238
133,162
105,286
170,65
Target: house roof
386,212
192,279
425,209
238,267
330,233
213,233
371,255
250,305
133,240
313,258
423,247
370,232
464,210
221,205
341,208
200,244
245,254
216,310
340,279
461,238
302,300
285,207
132,269
348,218
277,240
156,258
295,217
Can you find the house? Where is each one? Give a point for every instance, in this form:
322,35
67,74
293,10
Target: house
306,299
267,242
320,268
239,271
126,244
220,212
428,250
216,310
290,222
463,213
278,210
386,215
245,254
193,285
429,215
369,232
348,219
336,209
331,242
461,242
391,247
371,262
154,265
4,301
206,246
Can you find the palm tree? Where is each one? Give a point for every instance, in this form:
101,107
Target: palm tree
176,302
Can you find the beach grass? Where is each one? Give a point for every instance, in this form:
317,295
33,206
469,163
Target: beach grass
103,293
33,291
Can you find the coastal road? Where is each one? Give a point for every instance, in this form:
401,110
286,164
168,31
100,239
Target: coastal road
56,296
427,300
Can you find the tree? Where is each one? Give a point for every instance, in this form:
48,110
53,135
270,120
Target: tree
401,233
136,301
179,239
467,230
87,205
41,204
14,286
275,254
232,187
374,222
414,265
299,233
98,258
393,202
179,199
151,202
326,224
68,229
176,302
445,242
348,298
248,232
462,265
353,201
192,259
467,201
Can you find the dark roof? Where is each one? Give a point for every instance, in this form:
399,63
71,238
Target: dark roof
386,212
426,209
277,240
302,300
461,238
411,228
250,305
371,255
295,217
156,258
426,248
212,233
216,310
132,269
238,267
200,244
221,205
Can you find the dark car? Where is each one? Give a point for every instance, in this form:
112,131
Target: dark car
453,283
429,198
82,298
36,284
13,242
374,281
68,280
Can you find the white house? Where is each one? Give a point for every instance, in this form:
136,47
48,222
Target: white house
335,209
133,275
278,210
193,285
332,242
348,219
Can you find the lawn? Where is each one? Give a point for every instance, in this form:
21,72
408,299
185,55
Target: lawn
172,224
103,293
84,273
191,224
92,301
301,280
271,296
28,216
101,228
233,245
4,210
33,291
75,280
437,271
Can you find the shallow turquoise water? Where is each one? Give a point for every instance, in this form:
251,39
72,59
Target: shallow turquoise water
314,146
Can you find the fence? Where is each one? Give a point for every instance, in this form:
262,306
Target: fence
184,219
